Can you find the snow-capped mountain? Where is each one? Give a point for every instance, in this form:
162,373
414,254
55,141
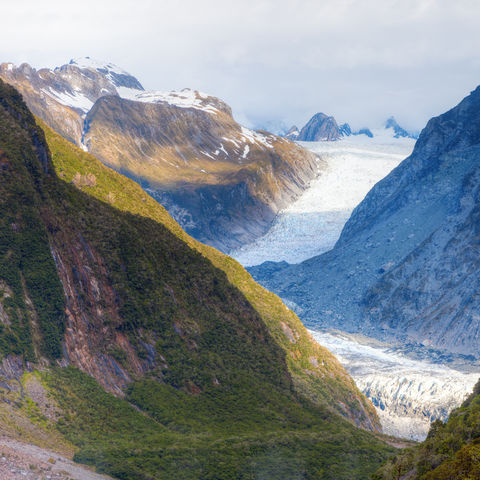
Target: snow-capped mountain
222,182
405,267
292,133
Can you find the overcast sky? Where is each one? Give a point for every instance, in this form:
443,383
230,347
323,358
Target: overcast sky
273,61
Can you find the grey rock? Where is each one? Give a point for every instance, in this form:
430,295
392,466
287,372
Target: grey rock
320,127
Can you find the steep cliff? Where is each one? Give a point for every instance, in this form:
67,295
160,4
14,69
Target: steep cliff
97,276
406,265
222,182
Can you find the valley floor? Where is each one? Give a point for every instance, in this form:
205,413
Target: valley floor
22,461
408,392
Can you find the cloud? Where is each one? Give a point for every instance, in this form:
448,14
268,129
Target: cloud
273,61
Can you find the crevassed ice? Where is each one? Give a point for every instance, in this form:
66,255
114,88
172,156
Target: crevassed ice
312,224
408,393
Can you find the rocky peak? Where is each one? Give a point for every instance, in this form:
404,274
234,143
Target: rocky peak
117,76
398,131
320,127
456,129
345,130
292,133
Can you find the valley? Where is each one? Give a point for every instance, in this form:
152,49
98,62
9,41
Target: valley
240,240
410,388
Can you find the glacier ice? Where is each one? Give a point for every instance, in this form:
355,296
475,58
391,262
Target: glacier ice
312,224
408,393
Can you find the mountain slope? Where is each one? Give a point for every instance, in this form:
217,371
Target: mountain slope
405,266
222,182
154,321
450,452
314,370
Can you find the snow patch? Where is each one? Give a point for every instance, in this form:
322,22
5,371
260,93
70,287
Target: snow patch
186,98
93,64
76,100
256,137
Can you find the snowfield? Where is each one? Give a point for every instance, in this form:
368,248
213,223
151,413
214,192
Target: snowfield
312,224
408,393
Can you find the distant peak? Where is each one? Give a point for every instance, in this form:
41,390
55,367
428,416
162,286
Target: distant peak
116,75
398,131
95,64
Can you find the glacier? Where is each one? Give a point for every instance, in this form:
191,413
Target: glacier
408,391
312,224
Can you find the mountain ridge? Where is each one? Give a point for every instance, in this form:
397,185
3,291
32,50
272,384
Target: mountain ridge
185,147
324,128
119,269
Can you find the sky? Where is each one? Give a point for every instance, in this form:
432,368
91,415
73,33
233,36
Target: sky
276,62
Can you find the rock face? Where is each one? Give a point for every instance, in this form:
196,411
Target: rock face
406,265
345,130
320,127
222,182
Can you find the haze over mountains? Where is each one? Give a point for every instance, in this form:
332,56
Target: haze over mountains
222,182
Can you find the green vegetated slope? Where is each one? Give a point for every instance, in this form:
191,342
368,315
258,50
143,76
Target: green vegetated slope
314,370
450,452
220,383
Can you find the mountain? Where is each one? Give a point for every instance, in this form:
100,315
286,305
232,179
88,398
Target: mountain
345,130
398,131
450,452
102,293
324,128
320,127
364,131
222,182
292,133
405,267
